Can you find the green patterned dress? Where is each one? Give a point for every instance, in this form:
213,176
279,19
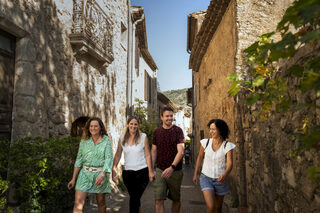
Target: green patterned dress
92,155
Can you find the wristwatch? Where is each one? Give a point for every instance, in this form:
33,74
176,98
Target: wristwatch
173,167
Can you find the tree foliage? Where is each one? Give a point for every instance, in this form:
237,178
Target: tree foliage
39,171
178,97
268,85
147,123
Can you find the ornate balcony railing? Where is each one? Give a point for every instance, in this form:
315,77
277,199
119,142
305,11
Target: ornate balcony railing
92,33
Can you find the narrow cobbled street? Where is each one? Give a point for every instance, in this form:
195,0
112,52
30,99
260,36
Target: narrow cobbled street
192,199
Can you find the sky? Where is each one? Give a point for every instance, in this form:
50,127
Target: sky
166,24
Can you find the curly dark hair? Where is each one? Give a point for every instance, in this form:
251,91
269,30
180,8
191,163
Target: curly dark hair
221,126
86,133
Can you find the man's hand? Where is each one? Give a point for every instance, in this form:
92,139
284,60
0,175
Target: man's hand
167,172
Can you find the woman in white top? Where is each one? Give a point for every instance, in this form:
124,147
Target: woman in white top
137,169
216,155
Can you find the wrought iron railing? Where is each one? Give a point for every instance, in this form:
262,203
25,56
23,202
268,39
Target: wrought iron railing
92,31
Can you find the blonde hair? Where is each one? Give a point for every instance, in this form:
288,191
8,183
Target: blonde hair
127,134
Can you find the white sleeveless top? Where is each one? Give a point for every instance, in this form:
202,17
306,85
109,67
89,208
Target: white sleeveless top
214,163
134,158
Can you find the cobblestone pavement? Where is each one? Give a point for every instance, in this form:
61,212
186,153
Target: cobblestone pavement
192,199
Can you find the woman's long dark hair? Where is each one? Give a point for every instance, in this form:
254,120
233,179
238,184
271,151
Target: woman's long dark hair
86,133
222,126
127,134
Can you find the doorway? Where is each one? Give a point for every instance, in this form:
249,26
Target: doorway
7,61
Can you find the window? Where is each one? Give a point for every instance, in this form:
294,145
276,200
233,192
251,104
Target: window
147,87
201,134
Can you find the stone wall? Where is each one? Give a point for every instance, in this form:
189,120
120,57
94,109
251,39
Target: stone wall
52,87
269,180
275,181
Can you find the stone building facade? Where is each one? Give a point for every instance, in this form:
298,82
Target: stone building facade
210,68
265,178
64,61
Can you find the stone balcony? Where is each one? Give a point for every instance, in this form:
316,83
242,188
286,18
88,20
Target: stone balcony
91,34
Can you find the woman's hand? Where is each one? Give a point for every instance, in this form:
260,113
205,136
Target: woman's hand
152,175
222,178
195,179
114,175
71,184
100,178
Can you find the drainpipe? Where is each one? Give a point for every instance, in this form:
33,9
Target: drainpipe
129,47
132,53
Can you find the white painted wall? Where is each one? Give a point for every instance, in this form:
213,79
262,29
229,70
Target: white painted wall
183,121
138,85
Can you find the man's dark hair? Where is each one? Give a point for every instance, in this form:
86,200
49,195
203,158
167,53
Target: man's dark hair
221,126
165,108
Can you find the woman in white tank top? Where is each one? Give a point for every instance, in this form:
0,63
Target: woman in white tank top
216,156
137,168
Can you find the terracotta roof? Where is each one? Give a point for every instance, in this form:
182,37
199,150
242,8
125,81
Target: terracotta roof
137,12
215,12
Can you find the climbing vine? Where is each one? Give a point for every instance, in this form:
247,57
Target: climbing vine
267,83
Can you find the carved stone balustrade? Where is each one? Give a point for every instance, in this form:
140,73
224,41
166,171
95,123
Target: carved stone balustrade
91,34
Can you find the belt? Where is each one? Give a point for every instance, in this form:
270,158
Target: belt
93,169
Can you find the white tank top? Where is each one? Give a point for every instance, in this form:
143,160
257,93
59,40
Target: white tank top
134,157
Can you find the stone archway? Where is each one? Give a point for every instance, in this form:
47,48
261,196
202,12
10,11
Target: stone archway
77,126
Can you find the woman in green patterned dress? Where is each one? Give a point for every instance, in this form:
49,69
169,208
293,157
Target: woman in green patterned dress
94,161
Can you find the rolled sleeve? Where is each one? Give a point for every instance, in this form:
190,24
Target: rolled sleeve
181,136
108,157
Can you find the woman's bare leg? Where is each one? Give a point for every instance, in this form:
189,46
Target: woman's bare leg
101,200
80,198
209,198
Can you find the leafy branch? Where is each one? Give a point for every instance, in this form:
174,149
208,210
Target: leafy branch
267,84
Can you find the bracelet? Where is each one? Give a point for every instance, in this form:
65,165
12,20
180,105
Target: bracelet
173,167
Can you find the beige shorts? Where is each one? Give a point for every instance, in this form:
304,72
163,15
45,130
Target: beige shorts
167,187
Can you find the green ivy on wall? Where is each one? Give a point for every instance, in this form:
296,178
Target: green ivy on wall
267,85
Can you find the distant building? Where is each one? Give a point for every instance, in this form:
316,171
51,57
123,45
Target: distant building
143,69
183,118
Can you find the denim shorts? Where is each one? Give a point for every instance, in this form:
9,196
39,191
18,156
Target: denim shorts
208,183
